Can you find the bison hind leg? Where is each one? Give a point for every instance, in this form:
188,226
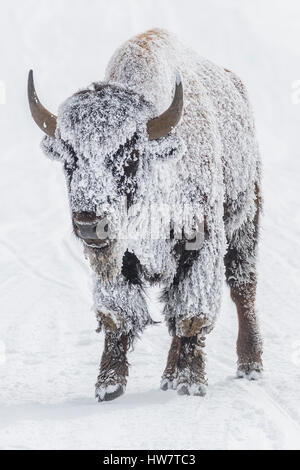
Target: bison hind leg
240,264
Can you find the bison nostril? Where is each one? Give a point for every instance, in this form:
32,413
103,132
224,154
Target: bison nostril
85,224
86,229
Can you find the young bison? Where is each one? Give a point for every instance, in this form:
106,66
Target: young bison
162,193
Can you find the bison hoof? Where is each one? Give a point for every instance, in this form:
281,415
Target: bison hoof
250,371
198,390
167,384
110,392
253,375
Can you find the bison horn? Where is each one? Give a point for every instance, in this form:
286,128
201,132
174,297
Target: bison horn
163,124
45,120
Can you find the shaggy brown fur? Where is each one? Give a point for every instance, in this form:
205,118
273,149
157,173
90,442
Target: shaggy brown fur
249,347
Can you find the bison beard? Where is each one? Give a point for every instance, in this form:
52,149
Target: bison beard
207,169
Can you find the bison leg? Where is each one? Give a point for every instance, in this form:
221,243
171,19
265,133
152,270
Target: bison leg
185,369
240,263
249,344
113,373
191,378
122,312
170,374
191,304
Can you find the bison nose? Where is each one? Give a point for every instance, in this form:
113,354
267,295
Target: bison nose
85,224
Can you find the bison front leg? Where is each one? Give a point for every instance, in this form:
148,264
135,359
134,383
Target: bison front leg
185,369
170,374
191,366
122,313
113,372
192,302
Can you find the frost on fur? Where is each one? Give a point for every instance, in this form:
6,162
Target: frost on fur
121,308
208,162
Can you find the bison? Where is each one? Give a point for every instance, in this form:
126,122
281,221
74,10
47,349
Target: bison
162,193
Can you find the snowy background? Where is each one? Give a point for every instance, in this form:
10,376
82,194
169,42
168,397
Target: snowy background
49,351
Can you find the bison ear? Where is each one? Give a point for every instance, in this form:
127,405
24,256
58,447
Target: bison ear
163,124
43,118
53,148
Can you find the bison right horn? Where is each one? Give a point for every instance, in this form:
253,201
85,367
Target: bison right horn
44,119
163,124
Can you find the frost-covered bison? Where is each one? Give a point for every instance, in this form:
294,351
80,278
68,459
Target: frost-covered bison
162,193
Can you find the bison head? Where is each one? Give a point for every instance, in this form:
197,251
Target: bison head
105,136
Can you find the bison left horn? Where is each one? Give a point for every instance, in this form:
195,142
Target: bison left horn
44,119
163,124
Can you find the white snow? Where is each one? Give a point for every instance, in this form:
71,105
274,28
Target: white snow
49,349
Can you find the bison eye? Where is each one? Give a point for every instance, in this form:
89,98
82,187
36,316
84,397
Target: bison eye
70,168
125,161
70,165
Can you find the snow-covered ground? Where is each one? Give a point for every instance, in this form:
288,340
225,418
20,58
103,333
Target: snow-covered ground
49,351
